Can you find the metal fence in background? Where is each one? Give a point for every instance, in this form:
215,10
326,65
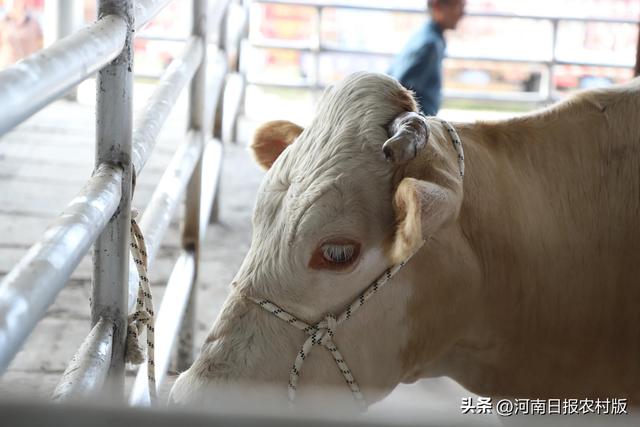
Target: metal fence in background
545,94
636,70
100,214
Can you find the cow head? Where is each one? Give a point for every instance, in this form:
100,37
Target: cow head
359,190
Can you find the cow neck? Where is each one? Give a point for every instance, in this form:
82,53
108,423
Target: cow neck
322,333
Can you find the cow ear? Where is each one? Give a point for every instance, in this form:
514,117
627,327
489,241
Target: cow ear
271,139
421,209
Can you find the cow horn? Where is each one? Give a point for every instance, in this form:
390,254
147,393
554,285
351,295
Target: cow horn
408,132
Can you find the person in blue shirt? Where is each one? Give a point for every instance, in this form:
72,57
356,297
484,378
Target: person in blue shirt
419,65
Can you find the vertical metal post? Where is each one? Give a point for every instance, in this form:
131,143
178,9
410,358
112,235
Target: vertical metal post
637,67
198,127
222,47
62,18
238,76
217,124
317,53
552,63
113,145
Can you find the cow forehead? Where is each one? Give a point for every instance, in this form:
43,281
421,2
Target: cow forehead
286,203
329,203
337,160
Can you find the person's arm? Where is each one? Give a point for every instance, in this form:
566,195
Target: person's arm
422,75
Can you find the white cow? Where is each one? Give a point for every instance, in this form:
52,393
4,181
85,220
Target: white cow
528,284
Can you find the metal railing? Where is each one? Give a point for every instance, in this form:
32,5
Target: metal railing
317,47
100,214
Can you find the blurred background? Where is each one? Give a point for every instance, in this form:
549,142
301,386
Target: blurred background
507,56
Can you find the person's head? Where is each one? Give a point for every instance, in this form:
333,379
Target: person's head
446,13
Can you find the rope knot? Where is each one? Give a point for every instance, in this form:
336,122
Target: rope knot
324,331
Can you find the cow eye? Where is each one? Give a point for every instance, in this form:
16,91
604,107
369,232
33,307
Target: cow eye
335,254
338,253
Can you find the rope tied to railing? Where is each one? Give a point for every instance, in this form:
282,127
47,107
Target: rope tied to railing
144,315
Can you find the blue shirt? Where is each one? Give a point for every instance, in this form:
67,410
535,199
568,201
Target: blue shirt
419,67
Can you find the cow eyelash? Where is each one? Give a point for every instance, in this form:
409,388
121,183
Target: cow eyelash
338,254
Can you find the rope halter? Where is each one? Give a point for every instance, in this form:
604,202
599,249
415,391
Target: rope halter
322,333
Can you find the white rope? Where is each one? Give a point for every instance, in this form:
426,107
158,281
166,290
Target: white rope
322,333
457,144
144,315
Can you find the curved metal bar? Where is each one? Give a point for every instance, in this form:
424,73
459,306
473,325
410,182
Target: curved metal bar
146,10
31,287
163,203
174,302
31,84
89,367
150,121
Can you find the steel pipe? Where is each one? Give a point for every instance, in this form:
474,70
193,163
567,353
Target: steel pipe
191,230
165,198
168,322
31,84
234,95
155,37
219,68
218,19
448,93
421,10
146,10
636,71
88,369
31,287
285,45
109,291
237,26
157,109
211,173
163,203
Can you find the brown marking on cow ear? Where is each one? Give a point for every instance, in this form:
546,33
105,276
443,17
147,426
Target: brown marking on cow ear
271,139
408,233
421,209
406,100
